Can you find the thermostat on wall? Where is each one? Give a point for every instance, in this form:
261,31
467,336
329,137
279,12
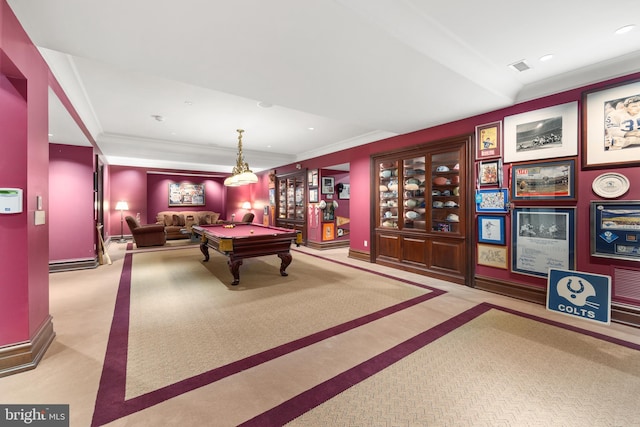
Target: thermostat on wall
10,200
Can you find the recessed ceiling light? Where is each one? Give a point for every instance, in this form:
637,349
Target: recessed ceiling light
188,102
311,128
546,57
263,104
625,29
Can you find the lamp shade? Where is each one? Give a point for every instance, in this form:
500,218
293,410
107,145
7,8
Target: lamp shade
122,206
247,178
246,205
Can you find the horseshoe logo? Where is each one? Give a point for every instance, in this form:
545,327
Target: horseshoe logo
574,292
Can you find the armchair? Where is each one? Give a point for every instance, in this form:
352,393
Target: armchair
248,217
146,235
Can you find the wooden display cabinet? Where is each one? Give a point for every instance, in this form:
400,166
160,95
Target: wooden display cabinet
291,199
421,215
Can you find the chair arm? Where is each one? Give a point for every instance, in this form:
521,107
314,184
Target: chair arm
150,228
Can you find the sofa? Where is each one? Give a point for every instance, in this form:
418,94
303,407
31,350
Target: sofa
146,235
177,224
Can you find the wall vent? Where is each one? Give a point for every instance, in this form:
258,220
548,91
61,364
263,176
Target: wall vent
626,283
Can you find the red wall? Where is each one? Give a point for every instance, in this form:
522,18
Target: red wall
148,193
360,177
158,194
71,213
130,185
24,261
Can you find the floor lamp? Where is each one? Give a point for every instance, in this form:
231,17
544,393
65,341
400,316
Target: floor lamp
122,206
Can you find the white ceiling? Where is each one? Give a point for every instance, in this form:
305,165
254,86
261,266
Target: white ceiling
356,71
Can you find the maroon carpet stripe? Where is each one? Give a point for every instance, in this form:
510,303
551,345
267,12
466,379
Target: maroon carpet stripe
319,394
114,371
304,402
110,402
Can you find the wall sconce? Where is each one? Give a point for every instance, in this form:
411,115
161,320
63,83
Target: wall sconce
246,205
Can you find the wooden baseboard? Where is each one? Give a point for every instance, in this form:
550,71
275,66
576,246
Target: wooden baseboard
25,356
620,313
359,255
73,264
333,244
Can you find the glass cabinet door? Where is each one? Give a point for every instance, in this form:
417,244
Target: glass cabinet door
413,193
388,187
282,199
299,199
445,192
291,193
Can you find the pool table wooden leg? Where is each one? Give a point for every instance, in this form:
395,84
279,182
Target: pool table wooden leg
286,260
205,251
234,267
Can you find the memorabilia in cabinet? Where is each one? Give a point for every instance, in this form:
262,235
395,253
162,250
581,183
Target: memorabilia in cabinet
420,213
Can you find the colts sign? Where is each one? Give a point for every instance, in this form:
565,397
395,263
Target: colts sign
583,295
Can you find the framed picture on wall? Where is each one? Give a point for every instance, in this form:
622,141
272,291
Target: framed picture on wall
615,229
313,195
186,194
542,134
610,135
542,238
494,200
328,231
344,191
312,178
490,173
493,256
489,141
327,184
544,180
491,229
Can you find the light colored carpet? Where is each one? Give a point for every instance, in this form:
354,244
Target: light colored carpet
186,318
499,369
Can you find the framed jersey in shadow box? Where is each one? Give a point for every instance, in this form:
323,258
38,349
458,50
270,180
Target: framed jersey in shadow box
615,229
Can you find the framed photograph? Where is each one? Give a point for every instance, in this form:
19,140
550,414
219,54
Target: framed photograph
312,178
491,229
493,256
272,196
610,135
344,192
186,194
542,238
313,195
542,134
490,173
327,184
489,141
328,230
615,229
496,200
544,180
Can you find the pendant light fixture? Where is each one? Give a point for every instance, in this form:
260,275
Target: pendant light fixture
241,174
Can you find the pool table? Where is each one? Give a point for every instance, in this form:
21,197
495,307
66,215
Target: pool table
246,240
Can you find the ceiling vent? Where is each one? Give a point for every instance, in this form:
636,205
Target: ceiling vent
520,66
